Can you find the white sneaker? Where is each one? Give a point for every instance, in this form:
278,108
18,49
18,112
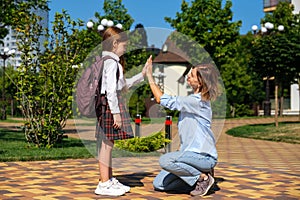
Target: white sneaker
116,182
109,188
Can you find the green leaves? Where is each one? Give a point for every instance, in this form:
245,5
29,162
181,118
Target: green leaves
13,13
277,53
209,23
46,79
115,10
150,143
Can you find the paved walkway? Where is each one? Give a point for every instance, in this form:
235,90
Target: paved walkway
247,169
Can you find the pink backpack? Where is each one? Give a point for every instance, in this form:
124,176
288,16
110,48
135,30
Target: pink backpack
87,85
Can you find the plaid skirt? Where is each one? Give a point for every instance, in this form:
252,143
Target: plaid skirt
105,121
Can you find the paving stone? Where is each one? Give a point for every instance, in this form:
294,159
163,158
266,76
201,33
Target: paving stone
247,169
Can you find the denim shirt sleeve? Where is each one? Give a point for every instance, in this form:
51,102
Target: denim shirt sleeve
190,104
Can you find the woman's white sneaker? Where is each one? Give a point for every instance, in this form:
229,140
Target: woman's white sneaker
116,182
109,188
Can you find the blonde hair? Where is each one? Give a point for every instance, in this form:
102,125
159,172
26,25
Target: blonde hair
207,75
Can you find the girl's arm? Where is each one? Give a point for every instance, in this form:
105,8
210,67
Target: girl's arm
111,85
134,80
139,77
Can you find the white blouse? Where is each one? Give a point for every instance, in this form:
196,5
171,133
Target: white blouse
110,85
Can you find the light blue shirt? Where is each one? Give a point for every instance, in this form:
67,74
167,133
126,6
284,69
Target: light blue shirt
194,123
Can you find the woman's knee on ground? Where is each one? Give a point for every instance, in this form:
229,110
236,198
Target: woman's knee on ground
167,160
157,184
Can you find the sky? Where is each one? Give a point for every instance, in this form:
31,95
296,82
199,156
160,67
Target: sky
151,13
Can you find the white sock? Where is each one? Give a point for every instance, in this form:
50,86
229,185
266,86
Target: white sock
106,183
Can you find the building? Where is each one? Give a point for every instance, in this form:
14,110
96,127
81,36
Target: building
171,66
270,5
292,104
10,41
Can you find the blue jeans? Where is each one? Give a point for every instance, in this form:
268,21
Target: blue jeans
181,170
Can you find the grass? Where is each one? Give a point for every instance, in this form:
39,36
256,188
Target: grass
13,147
288,132
13,120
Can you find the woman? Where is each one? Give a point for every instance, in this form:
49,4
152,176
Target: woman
113,119
188,170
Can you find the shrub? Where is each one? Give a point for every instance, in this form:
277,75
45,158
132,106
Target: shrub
144,144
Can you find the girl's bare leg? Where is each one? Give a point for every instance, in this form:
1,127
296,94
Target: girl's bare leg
105,160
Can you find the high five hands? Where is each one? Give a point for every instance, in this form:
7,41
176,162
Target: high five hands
147,65
154,88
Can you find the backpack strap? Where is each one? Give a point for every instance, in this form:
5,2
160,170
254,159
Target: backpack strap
102,68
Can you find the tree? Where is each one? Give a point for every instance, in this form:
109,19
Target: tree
136,56
243,86
10,88
46,79
209,22
115,10
286,43
142,33
12,11
276,53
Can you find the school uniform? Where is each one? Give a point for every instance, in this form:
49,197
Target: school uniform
111,102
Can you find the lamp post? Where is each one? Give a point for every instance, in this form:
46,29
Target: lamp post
104,23
266,30
160,76
5,55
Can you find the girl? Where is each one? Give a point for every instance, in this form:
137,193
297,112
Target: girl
113,119
189,168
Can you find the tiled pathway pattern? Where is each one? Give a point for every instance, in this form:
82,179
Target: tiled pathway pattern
247,169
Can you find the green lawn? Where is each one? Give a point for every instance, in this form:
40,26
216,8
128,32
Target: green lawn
288,132
13,147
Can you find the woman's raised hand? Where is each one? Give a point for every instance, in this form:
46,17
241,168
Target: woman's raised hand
147,64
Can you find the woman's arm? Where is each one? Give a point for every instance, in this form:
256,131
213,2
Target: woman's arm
154,88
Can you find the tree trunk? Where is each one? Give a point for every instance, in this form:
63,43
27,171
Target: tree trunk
232,111
276,105
281,105
299,96
281,100
12,108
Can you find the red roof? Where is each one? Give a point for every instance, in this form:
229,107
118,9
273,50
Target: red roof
172,55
